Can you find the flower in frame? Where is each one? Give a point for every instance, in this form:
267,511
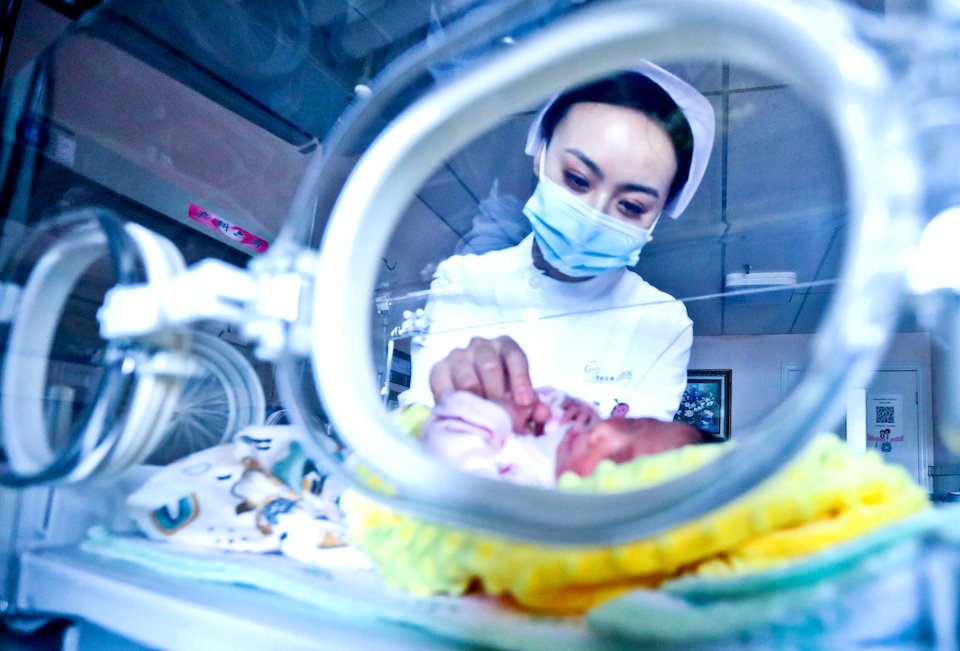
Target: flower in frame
699,407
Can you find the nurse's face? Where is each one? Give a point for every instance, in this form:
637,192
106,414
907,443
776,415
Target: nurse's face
615,159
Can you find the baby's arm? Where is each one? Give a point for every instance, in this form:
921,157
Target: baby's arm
565,411
620,440
636,437
579,414
478,436
463,425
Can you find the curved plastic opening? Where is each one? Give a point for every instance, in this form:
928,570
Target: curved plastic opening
825,59
223,396
133,385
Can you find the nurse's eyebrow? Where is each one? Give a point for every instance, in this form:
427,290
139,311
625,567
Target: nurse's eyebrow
629,187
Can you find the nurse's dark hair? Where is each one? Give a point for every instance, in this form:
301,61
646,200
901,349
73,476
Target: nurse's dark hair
636,91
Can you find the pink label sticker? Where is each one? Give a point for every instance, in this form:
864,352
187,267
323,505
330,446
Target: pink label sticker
620,410
232,231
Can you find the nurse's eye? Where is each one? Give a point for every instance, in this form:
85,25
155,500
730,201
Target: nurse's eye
576,182
631,209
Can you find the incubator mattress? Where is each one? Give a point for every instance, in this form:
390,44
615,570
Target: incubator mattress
896,587
341,586
769,564
826,495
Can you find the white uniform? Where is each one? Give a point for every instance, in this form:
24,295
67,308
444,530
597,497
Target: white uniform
610,339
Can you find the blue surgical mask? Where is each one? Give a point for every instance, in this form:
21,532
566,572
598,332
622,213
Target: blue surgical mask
577,239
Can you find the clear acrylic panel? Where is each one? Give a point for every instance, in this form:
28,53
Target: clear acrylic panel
234,129
756,261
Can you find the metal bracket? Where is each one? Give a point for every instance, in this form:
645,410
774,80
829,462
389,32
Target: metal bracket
267,301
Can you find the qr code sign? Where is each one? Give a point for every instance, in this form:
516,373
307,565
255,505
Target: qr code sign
885,415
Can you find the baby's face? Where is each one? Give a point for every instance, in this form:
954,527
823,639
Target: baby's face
619,440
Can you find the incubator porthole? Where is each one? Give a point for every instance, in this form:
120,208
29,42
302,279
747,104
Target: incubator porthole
82,405
693,341
222,397
843,293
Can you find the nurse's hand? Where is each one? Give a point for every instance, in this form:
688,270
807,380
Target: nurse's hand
495,369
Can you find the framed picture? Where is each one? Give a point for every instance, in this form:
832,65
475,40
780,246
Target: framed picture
398,379
706,401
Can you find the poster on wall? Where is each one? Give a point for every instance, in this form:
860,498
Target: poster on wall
884,429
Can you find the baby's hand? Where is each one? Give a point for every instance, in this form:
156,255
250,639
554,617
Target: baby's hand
521,418
578,414
620,440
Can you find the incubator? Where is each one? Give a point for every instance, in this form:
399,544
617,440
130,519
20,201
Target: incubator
225,216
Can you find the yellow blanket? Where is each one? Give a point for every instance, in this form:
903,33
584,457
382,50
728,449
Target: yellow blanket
828,494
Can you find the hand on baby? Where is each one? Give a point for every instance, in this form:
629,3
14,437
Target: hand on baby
575,414
495,369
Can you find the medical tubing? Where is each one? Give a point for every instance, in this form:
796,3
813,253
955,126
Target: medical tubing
241,383
123,426
101,440
220,362
49,280
156,394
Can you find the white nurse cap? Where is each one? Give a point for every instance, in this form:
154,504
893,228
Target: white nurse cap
696,108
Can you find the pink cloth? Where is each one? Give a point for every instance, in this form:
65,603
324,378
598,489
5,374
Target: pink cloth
476,435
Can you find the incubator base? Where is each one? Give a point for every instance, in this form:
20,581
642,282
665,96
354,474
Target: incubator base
140,605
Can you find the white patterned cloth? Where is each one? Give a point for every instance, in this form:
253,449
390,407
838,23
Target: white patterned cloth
259,493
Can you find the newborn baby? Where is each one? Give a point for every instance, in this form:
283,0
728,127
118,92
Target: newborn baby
499,439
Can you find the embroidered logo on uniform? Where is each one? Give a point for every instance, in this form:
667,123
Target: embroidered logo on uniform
596,374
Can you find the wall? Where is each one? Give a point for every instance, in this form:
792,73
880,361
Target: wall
947,476
757,362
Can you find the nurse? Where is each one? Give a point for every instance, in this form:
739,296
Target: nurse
562,307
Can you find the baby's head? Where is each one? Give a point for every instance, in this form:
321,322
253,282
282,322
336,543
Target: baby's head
620,440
